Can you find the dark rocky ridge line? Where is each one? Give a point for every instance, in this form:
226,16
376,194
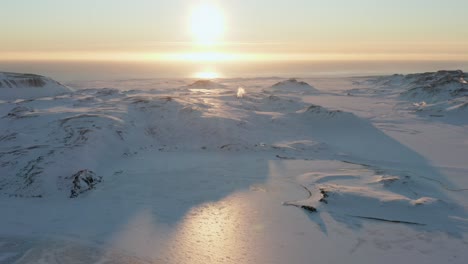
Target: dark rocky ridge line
16,80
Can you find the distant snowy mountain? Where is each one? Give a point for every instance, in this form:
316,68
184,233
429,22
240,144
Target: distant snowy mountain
205,84
292,85
26,86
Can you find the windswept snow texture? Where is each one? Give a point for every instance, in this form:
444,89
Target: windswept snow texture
184,171
15,86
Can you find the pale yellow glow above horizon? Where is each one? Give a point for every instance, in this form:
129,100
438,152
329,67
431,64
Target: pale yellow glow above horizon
223,56
223,30
207,24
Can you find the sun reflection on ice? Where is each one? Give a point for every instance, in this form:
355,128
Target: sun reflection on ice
215,233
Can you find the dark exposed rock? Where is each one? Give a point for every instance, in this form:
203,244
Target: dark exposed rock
205,84
82,181
433,83
291,81
309,208
324,196
15,86
436,78
316,109
22,80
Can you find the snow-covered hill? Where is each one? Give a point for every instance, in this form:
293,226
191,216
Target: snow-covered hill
26,86
110,124
439,93
292,86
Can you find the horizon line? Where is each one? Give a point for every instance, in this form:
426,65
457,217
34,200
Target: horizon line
80,56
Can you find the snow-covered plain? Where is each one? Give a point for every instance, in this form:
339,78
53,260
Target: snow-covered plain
262,170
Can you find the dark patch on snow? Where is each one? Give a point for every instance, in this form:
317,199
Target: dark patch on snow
324,196
31,170
284,158
291,81
293,85
82,181
316,109
309,208
388,220
20,112
205,84
432,84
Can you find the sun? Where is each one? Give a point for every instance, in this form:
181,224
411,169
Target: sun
207,24
206,75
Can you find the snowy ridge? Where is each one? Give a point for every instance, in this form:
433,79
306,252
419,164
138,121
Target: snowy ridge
434,94
443,92
442,87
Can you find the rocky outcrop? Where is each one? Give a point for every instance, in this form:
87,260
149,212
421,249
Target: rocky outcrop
82,181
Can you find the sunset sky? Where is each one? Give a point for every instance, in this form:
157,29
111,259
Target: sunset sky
137,30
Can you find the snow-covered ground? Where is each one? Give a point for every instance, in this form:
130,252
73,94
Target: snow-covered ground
260,170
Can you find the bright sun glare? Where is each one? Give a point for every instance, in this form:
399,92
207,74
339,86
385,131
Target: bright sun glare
207,24
207,75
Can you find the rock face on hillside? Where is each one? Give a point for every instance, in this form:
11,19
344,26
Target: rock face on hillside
434,94
26,86
436,86
15,80
437,94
